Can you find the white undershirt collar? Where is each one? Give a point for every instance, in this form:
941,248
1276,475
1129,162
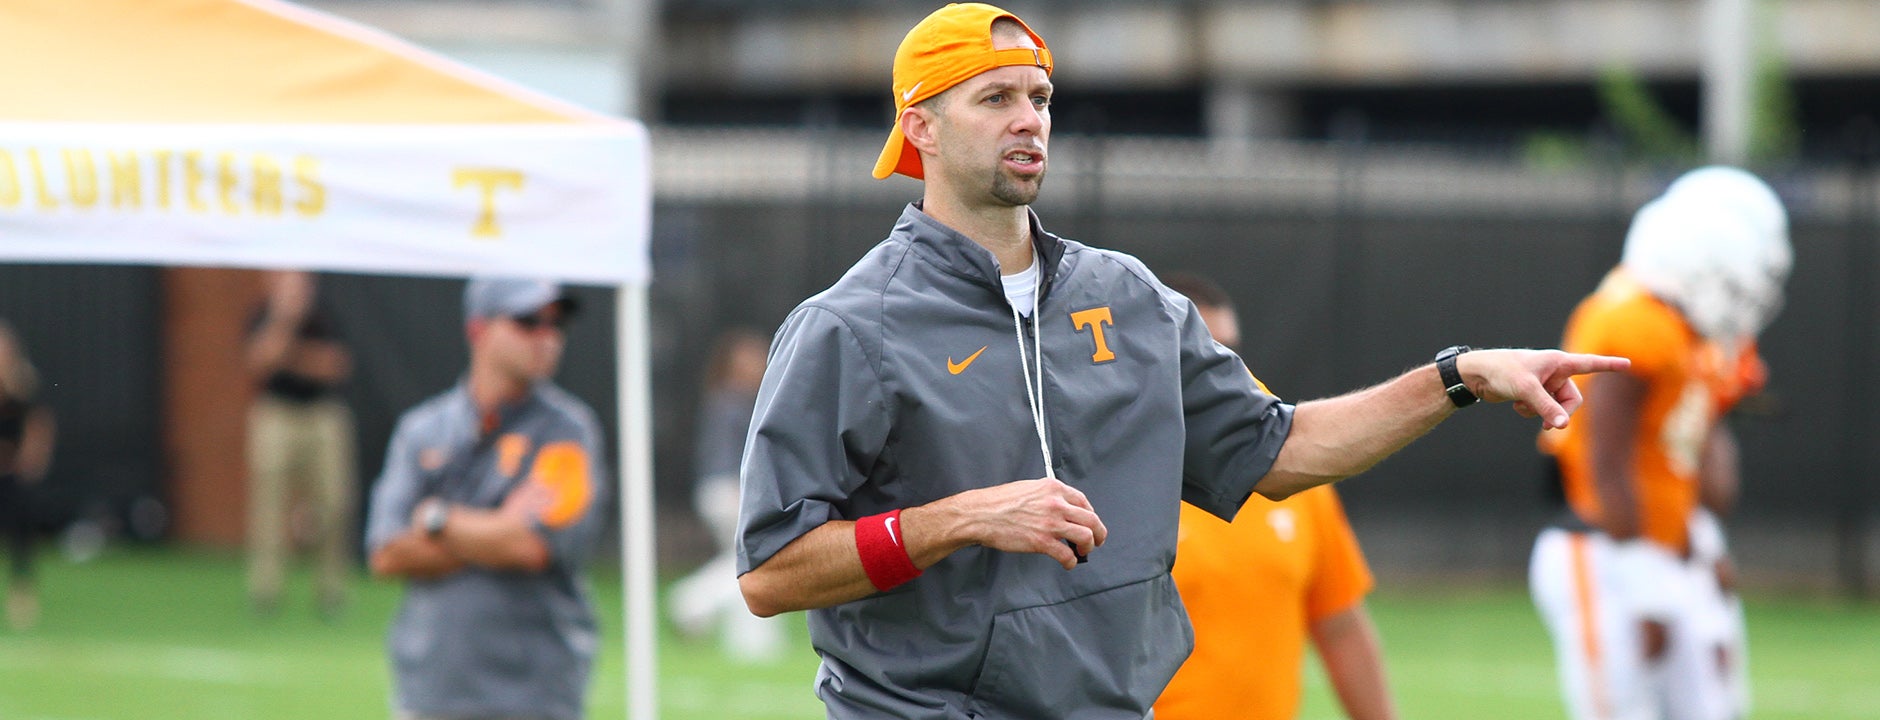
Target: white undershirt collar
1021,286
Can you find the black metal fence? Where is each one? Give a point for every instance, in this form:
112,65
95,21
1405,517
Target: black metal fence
94,334
1349,263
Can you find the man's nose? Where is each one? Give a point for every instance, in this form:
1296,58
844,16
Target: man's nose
1030,120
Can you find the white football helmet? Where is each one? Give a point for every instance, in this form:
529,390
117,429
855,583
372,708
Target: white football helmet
1701,260
1740,194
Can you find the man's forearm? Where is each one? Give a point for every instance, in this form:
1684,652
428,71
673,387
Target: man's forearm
470,537
823,567
414,555
1354,661
817,570
494,539
1337,438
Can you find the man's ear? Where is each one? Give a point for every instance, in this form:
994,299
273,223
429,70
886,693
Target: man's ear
918,125
473,329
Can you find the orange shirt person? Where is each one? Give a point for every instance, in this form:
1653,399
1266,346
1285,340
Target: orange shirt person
1676,410
1255,588
1609,578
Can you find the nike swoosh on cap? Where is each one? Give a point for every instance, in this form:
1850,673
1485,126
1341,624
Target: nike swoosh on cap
909,95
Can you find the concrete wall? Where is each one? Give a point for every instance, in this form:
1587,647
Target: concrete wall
771,46
1280,43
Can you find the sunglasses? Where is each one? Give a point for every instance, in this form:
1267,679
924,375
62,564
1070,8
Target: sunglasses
537,321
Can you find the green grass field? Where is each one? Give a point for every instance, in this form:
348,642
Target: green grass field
167,635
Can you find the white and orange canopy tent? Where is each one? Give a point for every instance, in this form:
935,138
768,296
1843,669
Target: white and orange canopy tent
256,133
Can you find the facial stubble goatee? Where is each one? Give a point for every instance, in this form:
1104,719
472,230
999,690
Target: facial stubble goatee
1014,192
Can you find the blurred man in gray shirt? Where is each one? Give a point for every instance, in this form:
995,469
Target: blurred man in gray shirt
487,507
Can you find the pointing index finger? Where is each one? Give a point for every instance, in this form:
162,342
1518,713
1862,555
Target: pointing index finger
1581,364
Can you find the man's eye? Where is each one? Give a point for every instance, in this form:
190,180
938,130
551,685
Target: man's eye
996,99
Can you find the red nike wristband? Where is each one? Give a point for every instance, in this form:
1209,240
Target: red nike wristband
878,539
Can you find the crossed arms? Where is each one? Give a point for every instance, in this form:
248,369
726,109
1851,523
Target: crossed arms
504,538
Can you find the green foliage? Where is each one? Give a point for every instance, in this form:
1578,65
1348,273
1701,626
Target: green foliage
1775,136
1649,132
1553,151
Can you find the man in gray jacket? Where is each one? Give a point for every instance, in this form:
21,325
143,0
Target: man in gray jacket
955,568
488,506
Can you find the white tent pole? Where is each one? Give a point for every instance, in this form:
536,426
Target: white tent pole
1728,74
632,368
633,22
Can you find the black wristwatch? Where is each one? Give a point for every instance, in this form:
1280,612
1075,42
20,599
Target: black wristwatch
1453,386
436,513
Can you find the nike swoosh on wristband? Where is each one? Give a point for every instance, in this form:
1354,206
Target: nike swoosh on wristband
960,367
890,523
909,95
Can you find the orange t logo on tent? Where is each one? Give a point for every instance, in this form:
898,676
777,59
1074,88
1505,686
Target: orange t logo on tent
487,182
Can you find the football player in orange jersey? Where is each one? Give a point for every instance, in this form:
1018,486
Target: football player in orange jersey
1257,587
1610,577
1709,664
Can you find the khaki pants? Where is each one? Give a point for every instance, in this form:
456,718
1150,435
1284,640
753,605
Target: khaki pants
303,450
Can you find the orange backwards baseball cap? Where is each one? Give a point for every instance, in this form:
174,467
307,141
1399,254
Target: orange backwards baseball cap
949,47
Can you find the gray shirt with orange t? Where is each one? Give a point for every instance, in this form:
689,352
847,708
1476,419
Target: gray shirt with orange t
495,643
903,384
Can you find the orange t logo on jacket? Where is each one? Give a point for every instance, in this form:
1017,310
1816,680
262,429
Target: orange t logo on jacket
1095,319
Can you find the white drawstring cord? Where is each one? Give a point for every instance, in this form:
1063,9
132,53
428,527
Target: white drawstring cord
1034,399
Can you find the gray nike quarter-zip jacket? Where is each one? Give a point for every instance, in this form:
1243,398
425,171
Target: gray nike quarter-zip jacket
902,384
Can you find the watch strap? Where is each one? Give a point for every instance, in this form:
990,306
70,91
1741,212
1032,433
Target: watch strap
1458,391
